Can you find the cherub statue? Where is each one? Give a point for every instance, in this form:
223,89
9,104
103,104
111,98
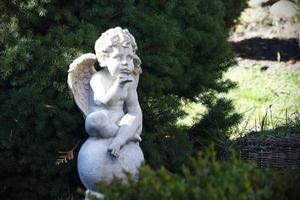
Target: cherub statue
109,102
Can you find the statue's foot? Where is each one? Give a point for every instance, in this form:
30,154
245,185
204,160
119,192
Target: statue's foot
92,194
137,138
114,149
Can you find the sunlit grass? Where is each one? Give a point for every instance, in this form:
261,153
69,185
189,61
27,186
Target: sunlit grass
261,89
194,112
266,99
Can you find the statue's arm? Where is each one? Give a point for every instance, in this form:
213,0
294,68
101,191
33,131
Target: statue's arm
113,93
133,119
100,95
130,124
132,103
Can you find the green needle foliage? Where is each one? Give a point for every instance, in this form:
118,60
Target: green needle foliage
215,126
233,9
207,178
182,45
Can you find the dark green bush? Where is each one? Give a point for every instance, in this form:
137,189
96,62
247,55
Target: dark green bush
214,126
233,9
184,51
207,178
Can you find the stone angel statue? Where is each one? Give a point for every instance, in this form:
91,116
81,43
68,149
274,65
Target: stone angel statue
109,103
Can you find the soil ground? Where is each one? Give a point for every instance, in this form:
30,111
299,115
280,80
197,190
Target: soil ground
260,39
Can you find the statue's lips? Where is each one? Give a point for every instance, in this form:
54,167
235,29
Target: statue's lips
125,71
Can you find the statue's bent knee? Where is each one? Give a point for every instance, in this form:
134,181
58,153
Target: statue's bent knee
95,124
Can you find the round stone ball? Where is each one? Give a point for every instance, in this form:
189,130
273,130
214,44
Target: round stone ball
96,164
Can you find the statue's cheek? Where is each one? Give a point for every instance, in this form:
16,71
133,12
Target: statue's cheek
114,69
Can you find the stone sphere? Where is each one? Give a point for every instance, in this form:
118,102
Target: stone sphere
96,165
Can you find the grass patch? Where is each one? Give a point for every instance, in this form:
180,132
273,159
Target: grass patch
194,112
261,89
266,99
292,126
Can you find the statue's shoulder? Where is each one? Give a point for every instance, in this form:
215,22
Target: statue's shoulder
101,77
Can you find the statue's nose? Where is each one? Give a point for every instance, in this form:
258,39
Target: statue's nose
124,62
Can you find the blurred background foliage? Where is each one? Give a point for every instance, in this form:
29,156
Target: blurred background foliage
184,50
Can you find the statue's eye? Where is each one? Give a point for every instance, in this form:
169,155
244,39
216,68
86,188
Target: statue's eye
117,57
129,57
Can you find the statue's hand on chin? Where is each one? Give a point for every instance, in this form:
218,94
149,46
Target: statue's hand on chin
124,78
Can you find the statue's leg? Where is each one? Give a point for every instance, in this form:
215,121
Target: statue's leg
129,126
98,124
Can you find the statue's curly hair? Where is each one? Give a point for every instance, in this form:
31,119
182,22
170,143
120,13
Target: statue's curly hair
111,38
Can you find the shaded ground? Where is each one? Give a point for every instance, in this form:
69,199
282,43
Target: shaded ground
273,49
259,39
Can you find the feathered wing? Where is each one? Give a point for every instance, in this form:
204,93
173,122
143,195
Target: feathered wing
80,72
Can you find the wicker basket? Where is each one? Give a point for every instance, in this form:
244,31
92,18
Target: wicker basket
281,154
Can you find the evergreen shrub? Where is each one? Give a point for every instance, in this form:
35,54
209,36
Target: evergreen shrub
184,51
207,178
215,126
233,9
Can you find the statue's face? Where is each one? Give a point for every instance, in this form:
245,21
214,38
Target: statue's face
120,60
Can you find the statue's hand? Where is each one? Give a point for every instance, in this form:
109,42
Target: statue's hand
114,149
124,78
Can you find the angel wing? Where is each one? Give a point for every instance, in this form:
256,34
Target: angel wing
80,72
